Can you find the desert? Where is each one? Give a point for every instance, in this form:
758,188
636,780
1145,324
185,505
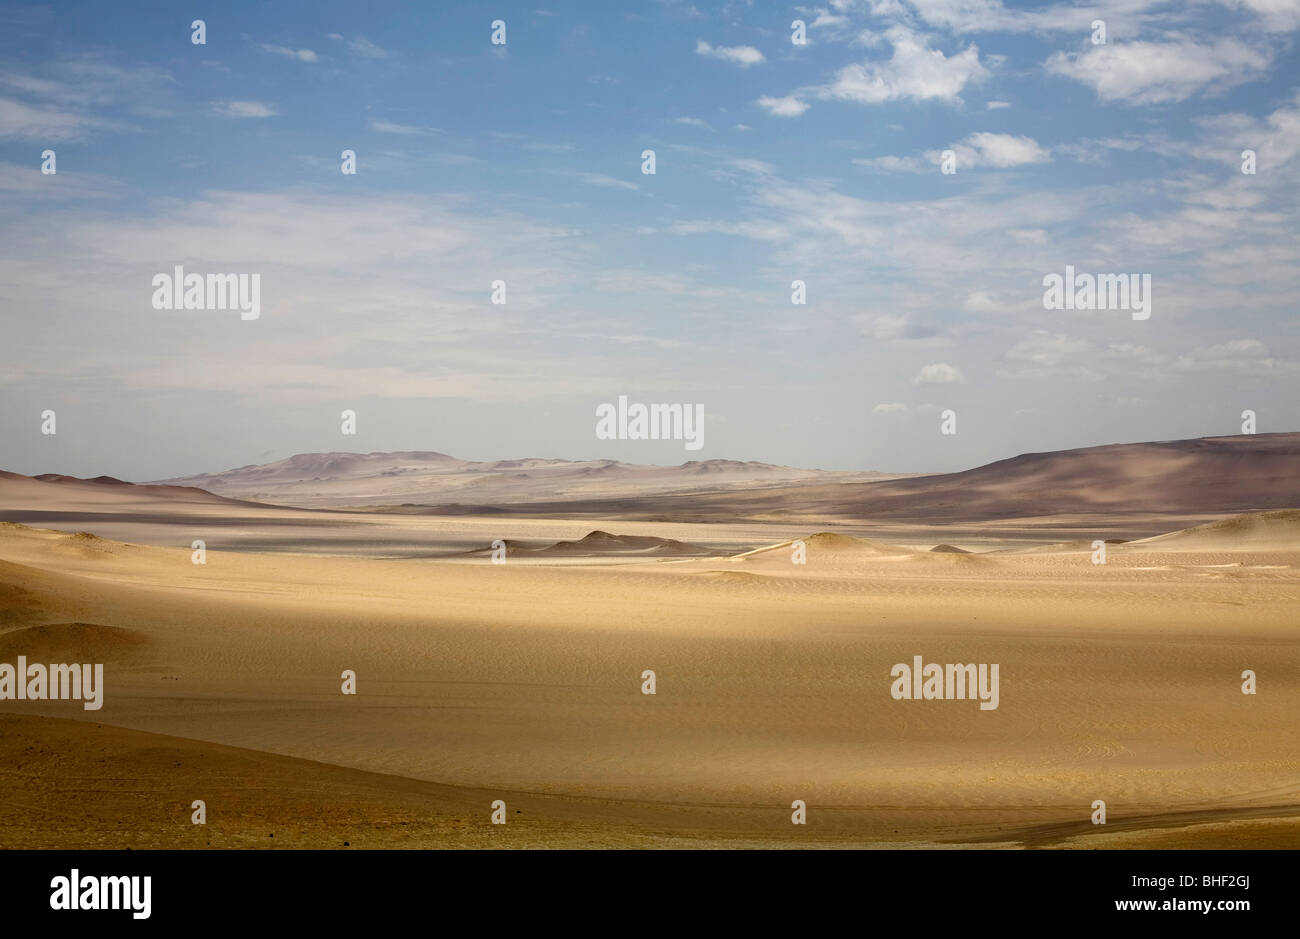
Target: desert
522,681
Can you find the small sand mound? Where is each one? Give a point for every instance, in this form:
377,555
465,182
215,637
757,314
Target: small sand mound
85,544
825,542
74,642
604,543
513,549
1277,530
957,558
829,546
948,549
736,577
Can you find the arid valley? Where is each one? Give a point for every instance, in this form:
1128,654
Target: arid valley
522,681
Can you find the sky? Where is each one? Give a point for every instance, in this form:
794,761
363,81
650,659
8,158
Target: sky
775,161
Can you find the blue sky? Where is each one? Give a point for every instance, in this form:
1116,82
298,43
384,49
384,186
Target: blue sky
522,162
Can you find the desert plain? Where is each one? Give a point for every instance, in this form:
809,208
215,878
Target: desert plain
523,681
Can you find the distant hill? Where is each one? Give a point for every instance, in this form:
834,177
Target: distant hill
420,478
1218,475
1174,479
16,489
1209,476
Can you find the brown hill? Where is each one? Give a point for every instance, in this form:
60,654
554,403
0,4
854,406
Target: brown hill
1158,486
1211,475
1177,478
399,481
16,489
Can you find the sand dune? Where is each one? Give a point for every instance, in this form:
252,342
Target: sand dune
75,642
845,555
146,785
523,681
1260,531
822,552
1255,533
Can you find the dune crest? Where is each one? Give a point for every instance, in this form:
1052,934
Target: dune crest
827,545
1278,530
75,642
597,544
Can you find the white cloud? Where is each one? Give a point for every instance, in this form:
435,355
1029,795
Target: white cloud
982,149
894,164
1002,302
74,94
1098,150
1275,139
963,15
1237,355
40,123
825,18
892,327
940,373
302,55
425,261
913,72
997,150
1044,355
409,130
974,16
887,326
88,80
898,407
744,56
238,109
363,47
981,301
759,231
27,182
692,122
1130,352
597,179
1154,72
1279,16
789,106
366,49
1028,236
751,166
997,105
